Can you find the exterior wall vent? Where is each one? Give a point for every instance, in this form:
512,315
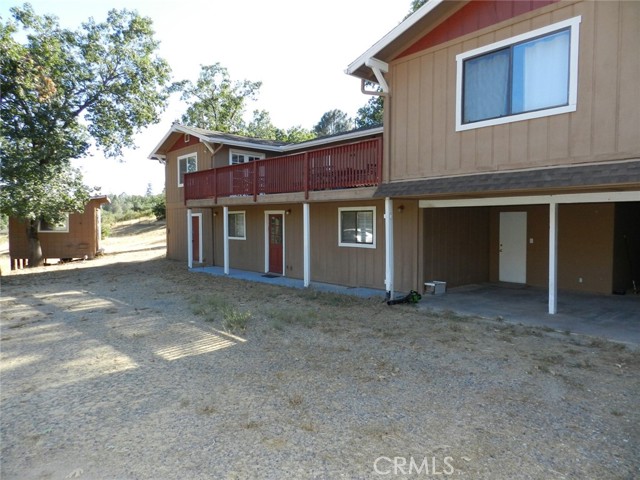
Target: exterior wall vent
187,138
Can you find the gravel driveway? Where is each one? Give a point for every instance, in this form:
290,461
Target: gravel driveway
130,367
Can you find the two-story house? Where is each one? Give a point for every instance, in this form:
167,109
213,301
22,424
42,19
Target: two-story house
512,142
302,210
510,153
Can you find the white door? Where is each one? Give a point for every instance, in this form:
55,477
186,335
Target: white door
513,247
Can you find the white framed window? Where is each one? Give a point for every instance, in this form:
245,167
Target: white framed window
528,76
59,227
186,164
357,227
239,156
237,226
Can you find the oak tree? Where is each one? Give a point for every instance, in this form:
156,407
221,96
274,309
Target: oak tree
63,91
216,102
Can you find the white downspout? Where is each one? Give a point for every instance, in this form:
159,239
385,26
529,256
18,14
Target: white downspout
306,234
553,258
189,239
225,227
388,237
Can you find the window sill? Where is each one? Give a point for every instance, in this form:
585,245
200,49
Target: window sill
516,118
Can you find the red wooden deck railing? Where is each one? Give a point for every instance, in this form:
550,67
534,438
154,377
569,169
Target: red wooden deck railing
344,166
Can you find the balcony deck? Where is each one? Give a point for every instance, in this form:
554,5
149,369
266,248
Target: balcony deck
352,165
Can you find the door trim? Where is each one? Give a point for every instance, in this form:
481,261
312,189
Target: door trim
512,269
266,239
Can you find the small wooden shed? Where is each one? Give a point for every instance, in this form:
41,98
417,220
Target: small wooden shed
78,236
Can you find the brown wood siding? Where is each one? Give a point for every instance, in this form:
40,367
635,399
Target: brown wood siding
456,245
177,233
175,194
537,243
80,240
423,140
176,211
249,254
585,246
406,232
177,238
294,241
216,237
351,266
626,247
330,263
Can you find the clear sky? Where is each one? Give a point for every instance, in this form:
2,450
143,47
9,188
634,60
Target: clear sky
297,49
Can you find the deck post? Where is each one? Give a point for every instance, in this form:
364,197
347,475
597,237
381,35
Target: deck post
225,228
189,239
553,258
388,245
306,234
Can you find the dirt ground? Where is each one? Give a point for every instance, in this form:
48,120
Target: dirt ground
130,367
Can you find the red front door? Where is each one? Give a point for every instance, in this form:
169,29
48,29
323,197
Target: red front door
275,243
195,238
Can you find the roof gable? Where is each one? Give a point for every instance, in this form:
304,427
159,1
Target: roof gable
473,17
438,21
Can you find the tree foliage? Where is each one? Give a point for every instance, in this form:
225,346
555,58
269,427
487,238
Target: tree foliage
216,102
63,89
262,127
332,122
371,114
415,5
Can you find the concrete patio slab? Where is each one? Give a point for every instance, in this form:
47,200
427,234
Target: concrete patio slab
614,317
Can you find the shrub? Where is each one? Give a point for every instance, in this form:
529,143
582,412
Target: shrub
159,209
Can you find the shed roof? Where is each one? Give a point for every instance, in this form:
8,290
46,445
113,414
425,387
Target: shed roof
622,174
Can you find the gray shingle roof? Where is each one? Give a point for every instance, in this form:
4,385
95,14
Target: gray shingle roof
604,174
229,137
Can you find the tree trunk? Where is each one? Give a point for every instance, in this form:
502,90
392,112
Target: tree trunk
35,249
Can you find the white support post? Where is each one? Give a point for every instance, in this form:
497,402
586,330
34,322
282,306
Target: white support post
388,237
189,239
225,227
553,258
306,234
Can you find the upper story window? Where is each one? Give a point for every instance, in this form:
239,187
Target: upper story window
528,76
186,164
59,227
237,156
357,227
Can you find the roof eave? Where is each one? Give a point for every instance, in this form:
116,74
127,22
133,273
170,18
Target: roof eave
155,155
221,139
353,135
358,67
240,144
